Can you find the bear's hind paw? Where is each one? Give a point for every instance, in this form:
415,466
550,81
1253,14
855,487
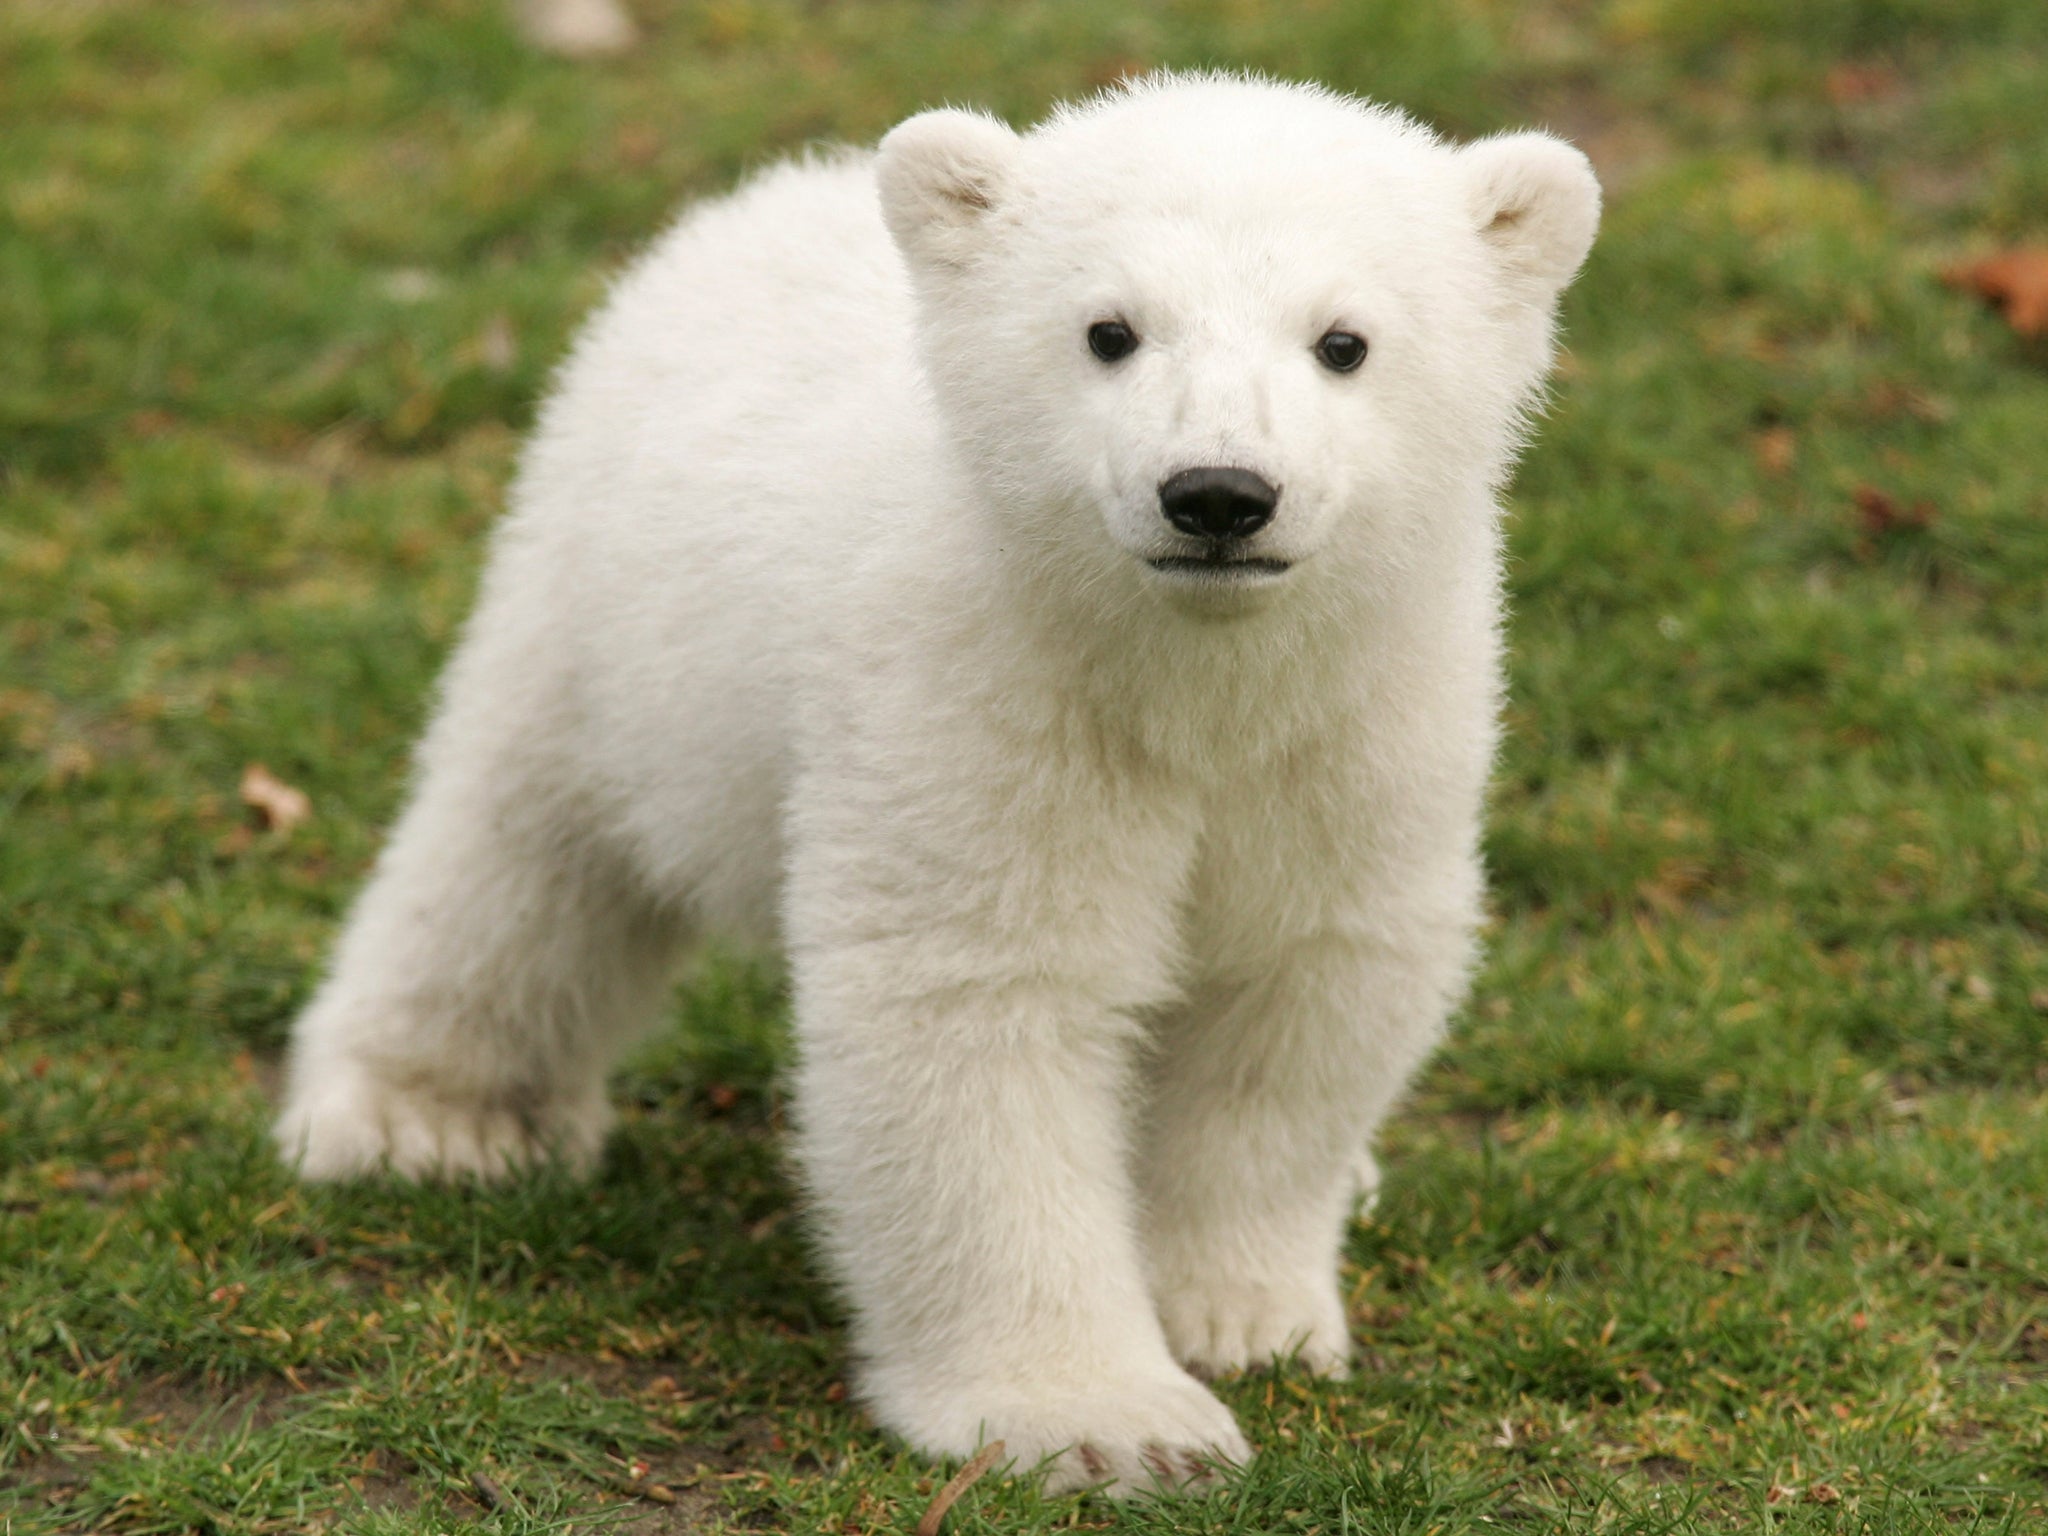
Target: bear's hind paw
351,1124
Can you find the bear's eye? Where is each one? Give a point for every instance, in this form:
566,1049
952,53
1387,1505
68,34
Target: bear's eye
1111,339
1340,351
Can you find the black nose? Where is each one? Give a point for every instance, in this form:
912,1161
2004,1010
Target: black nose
1218,503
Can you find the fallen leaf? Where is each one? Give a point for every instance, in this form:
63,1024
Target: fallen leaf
70,760
1881,514
1850,83
2014,281
638,145
281,806
1776,448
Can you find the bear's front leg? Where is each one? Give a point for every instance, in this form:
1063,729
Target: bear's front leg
970,951
1261,1098
967,1154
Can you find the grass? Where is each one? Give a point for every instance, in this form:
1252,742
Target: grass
1726,1208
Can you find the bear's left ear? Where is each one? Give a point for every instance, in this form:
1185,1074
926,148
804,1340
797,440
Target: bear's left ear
941,174
1536,202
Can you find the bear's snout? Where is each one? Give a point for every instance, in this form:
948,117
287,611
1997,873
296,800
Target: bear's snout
1218,501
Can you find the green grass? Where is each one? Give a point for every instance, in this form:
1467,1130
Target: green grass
1726,1208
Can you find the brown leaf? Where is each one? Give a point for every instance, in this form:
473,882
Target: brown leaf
1850,83
1775,448
70,760
279,805
638,145
1880,514
2014,281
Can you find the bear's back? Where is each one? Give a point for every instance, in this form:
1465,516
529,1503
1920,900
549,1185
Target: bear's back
737,429
767,333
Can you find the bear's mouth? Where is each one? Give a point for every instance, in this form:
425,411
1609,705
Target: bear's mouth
1219,567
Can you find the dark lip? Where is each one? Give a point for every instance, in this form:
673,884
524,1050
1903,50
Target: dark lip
1217,568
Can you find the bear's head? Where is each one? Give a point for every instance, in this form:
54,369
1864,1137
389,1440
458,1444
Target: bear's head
1224,337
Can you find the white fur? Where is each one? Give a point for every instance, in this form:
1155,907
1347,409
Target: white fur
1119,905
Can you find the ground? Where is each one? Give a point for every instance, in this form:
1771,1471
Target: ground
1725,1208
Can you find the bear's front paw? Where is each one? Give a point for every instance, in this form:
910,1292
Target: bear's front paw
345,1121
1221,1323
1167,1434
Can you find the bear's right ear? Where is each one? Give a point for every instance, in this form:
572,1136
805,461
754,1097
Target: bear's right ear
941,174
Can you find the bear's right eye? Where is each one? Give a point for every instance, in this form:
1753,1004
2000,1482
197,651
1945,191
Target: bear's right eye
1111,340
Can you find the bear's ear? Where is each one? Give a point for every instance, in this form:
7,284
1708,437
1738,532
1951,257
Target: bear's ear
941,174
1537,204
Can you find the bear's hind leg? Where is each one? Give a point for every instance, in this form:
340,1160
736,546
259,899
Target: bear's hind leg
490,973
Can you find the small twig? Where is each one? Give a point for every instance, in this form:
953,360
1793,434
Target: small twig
964,1479
487,1489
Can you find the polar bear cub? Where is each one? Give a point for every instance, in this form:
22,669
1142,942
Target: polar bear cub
1050,585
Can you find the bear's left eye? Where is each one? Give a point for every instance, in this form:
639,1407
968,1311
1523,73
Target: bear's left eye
1340,351
1111,340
